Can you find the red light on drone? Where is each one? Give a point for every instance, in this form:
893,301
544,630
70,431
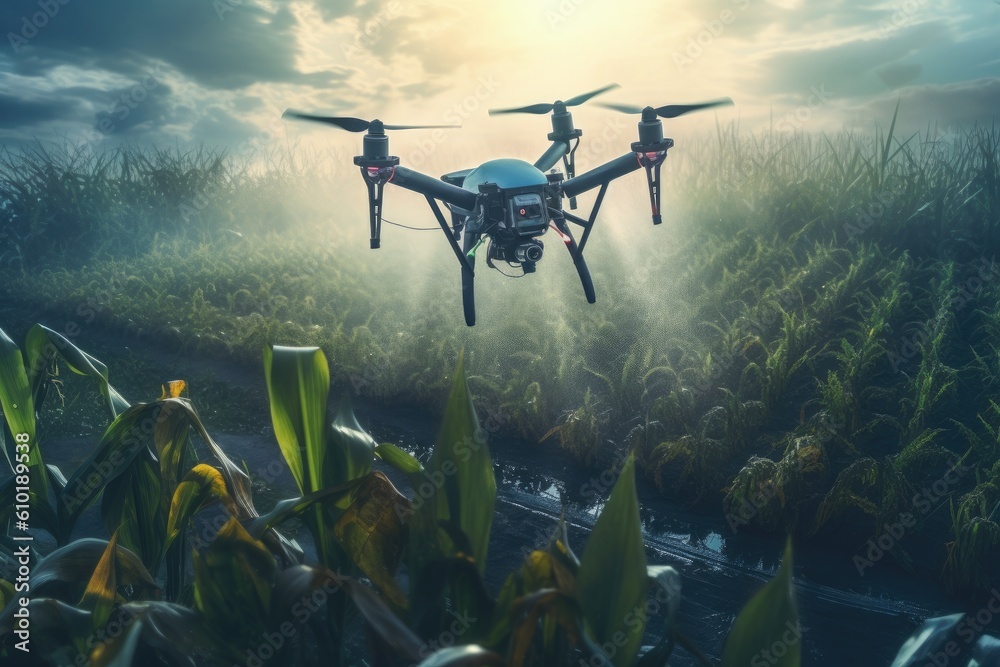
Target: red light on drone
380,173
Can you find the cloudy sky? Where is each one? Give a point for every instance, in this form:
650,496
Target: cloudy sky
220,72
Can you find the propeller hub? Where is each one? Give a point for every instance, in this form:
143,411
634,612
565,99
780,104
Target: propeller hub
648,114
376,127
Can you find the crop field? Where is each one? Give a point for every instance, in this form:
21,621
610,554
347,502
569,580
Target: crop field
808,347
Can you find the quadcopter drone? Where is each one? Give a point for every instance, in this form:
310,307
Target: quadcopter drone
510,204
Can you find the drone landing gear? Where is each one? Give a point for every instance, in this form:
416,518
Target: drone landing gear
468,280
576,253
468,268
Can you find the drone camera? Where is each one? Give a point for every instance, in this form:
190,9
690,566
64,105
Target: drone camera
525,253
527,214
528,252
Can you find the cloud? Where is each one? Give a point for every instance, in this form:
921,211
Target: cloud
846,67
217,43
23,111
954,104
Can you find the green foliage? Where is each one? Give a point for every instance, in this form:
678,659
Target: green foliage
769,619
554,610
611,582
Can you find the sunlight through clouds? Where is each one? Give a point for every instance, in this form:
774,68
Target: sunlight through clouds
421,60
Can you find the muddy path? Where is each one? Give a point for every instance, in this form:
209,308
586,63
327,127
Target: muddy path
846,618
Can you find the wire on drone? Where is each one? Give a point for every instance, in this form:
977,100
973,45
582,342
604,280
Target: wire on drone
416,229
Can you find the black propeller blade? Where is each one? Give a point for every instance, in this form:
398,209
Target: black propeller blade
546,108
355,124
670,110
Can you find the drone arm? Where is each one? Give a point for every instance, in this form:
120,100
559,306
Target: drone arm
555,152
433,188
601,175
463,259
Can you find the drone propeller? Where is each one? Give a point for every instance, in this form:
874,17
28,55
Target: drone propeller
670,110
546,108
356,124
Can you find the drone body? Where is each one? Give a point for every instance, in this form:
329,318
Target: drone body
509,204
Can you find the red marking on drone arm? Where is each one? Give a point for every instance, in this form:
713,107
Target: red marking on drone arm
567,239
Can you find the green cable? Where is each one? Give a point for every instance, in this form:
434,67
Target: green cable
472,252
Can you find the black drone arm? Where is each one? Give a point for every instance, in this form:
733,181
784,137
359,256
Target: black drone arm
550,157
434,188
601,175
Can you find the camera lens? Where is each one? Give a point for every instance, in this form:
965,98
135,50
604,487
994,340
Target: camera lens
528,252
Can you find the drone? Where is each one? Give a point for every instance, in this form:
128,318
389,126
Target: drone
509,204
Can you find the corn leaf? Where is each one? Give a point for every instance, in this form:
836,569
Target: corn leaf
43,344
202,486
50,618
172,441
127,435
232,584
399,459
928,641
292,507
6,592
460,472
611,583
349,450
101,592
120,651
463,656
769,618
132,508
298,382
238,483
18,406
177,634
373,533
73,564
